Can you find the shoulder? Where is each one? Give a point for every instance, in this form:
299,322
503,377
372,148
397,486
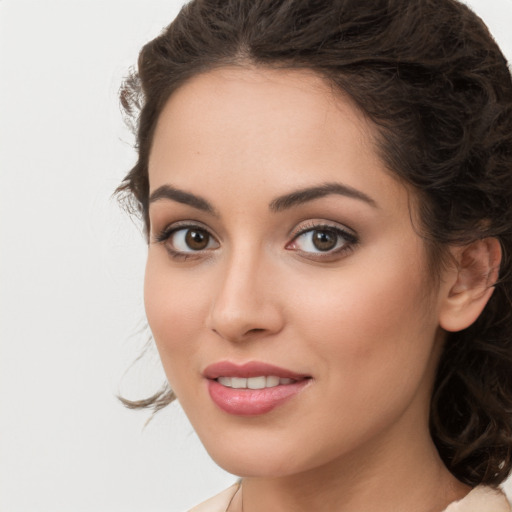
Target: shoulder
219,502
482,499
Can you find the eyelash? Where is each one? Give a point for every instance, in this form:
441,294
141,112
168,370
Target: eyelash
169,231
351,240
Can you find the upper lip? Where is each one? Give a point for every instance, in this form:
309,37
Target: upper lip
250,369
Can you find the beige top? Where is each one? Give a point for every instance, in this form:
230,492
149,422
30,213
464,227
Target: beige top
480,499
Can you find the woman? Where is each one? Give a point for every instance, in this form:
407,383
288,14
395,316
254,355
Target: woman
327,192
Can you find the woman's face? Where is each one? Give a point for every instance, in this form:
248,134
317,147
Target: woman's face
286,286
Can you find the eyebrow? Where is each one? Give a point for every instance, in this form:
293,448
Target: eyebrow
281,203
180,196
309,194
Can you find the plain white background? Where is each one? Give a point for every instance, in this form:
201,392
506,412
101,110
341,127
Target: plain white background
71,269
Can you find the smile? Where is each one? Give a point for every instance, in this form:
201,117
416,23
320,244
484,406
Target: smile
259,382
252,388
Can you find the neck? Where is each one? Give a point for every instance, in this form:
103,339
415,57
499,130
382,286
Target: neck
399,472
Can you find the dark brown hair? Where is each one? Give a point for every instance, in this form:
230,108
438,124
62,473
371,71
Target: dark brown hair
437,87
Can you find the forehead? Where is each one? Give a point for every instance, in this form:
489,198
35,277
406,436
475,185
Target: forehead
270,111
295,90
264,130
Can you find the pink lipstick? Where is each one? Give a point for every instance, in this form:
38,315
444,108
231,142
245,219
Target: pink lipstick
252,388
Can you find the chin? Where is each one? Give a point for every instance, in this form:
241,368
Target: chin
255,467
246,456
260,458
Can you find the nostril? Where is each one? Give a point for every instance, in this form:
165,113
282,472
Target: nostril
255,331
243,321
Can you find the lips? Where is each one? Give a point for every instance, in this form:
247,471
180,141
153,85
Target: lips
252,388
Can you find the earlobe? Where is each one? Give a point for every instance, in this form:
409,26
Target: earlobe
471,283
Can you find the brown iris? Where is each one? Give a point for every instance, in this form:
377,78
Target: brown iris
197,239
324,240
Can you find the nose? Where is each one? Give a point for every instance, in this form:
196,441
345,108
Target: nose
246,303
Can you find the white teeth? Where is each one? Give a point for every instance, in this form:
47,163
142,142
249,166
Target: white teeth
238,382
272,381
225,381
259,382
256,382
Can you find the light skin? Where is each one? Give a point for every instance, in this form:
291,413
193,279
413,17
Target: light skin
259,162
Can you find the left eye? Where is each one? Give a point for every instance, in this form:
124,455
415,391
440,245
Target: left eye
322,240
191,240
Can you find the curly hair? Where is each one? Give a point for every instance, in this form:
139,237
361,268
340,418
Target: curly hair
433,81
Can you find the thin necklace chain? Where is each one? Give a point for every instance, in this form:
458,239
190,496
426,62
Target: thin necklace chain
239,490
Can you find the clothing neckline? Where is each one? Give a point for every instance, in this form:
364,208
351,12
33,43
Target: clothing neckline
479,499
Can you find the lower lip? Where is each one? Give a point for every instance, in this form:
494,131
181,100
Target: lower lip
251,402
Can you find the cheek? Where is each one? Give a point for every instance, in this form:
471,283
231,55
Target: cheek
374,327
175,306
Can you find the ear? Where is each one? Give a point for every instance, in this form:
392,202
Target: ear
470,283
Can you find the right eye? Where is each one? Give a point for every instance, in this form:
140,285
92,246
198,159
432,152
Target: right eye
187,240
191,240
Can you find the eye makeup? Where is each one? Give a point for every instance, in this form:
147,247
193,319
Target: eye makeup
314,240
322,241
